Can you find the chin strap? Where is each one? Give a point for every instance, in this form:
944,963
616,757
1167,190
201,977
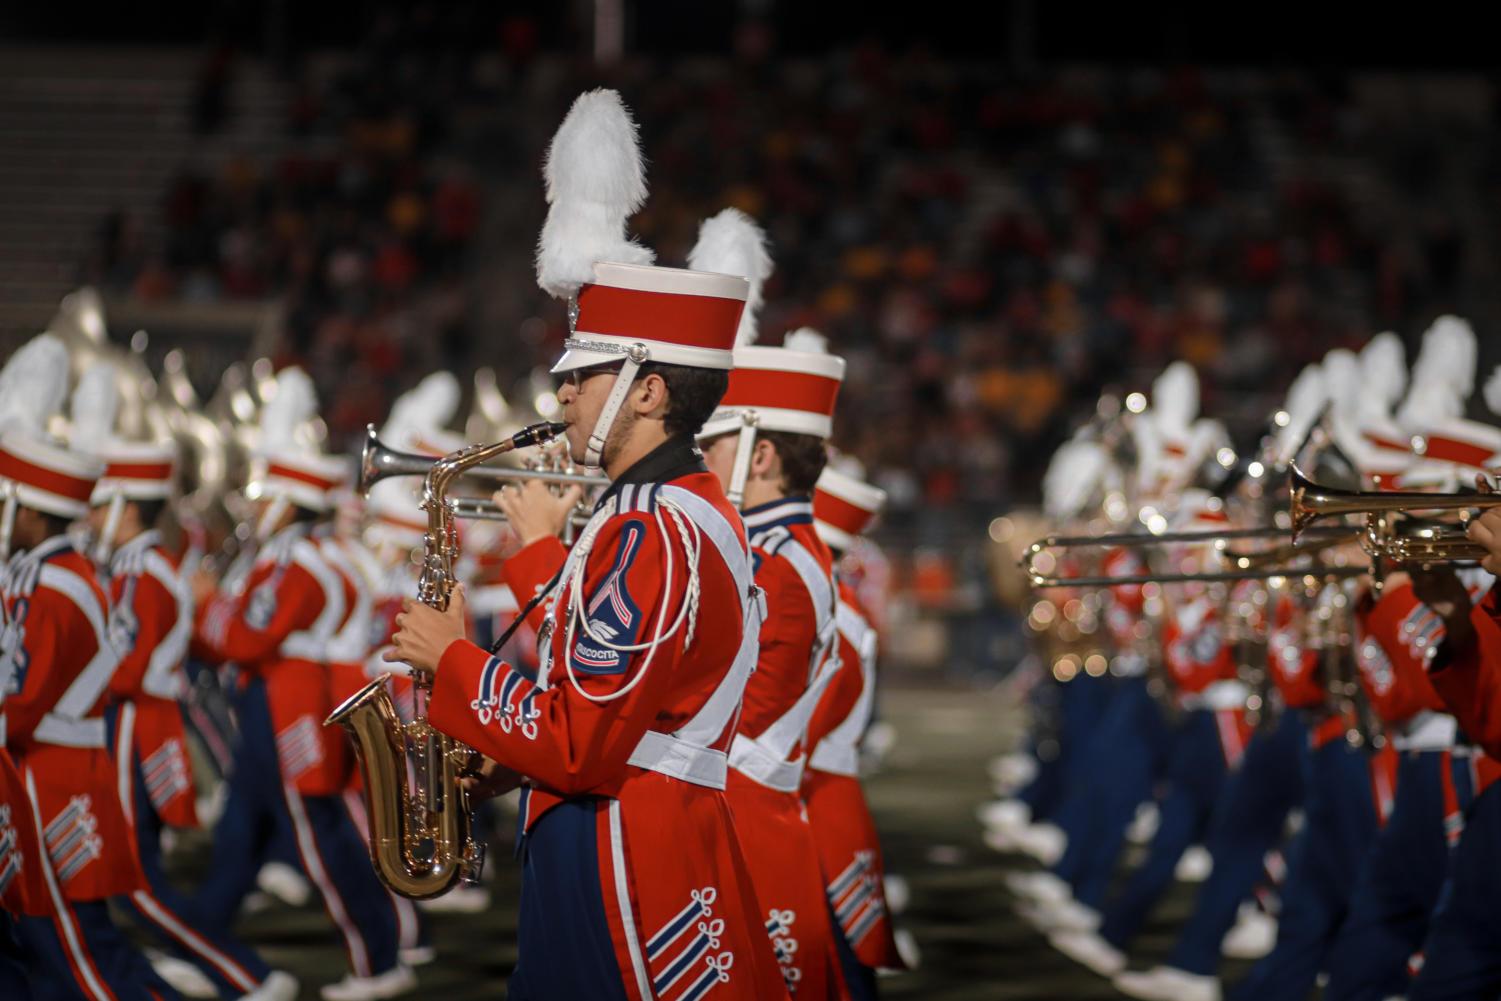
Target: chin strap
7,518
635,356
106,541
745,448
271,518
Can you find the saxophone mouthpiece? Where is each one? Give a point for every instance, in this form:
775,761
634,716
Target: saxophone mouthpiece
536,434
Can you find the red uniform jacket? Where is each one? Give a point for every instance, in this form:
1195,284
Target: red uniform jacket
1194,650
151,622
1396,631
60,662
278,628
798,659
644,729
849,850
1468,679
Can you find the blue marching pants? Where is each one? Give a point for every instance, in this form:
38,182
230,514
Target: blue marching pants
563,938
1462,955
79,954
1122,762
1196,775
1400,884
14,983
1324,861
232,967
1077,706
1248,823
260,807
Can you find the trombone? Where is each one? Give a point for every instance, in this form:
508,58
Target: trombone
1242,566
1417,541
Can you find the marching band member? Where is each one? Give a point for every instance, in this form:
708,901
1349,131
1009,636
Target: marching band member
1251,813
1076,478
848,847
1404,871
151,617
1459,953
634,882
1207,744
290,770
56,663
1348,785
1126,754
766,443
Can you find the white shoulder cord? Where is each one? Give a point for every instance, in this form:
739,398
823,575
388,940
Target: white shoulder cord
688,612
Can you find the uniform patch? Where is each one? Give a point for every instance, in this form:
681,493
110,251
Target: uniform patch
612,615
14,658
261,608
124,627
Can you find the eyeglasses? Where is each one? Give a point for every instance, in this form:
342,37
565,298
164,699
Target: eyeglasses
577,377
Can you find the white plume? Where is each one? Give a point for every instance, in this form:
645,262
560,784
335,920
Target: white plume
428,406
731,243
1343,381
1072,478
806,339
1305,401
95,406
1443,377
33,385
1175,397
1383,372
294,405
595,182
1205,438
1493,391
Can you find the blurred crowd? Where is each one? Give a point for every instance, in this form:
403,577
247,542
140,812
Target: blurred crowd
986,251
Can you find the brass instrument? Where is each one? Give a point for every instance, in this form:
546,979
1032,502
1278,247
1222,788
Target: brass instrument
378,461
420,841
1241,566
1385,537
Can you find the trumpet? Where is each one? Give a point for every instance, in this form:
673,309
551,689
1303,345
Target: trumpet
378,461
1384,536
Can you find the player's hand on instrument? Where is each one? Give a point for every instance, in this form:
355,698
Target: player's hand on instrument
534,511
423,632
1486,531
493,779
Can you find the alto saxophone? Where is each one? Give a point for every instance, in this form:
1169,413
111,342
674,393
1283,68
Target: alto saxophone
420,841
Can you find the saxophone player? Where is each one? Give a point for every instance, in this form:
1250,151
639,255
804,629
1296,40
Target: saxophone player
633,882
